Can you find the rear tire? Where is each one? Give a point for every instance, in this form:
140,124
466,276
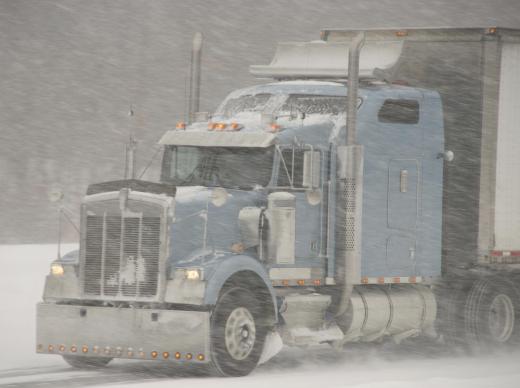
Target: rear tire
237,332
82,362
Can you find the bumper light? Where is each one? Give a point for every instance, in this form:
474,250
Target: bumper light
57,269
193,274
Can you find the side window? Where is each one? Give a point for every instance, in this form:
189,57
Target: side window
293,160
399,112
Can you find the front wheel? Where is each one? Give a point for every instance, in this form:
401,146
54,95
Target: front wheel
237,332
82,362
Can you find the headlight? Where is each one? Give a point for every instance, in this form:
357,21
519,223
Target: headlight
57,269
193,274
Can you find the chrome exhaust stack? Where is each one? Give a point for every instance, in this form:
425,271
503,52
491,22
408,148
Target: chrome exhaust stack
194,98
349,194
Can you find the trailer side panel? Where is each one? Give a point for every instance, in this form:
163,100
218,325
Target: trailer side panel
507,206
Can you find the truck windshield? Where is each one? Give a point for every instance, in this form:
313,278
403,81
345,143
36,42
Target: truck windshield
229,167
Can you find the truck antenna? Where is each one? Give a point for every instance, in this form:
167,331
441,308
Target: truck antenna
56,196
130,150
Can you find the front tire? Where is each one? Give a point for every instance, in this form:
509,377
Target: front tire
237,332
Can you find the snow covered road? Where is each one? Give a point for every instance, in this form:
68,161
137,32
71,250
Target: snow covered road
23,271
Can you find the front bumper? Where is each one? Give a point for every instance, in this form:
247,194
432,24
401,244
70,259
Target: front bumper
147,334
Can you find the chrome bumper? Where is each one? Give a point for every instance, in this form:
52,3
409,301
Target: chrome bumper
147,334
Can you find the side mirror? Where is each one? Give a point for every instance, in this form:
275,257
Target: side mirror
311,169
448,156
55,194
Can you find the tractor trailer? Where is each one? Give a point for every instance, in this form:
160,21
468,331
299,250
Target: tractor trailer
369,191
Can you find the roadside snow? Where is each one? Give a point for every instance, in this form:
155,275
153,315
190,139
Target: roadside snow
23,269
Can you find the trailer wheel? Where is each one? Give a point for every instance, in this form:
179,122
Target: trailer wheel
493,314
82,362
237,335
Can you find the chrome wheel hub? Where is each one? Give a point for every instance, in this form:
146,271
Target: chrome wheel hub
501,318
240,333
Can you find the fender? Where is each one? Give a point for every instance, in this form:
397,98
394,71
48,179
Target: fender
229,265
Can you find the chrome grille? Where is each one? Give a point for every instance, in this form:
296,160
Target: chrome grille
121,258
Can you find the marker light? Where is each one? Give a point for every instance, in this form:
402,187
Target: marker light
235,126
62,348
181,125
220,126
401,33
200,357
193,274
50,348
189,356
57,269
73,349
274,128
154,354
177,355
301,282
84,349
237,247
166,355
211,126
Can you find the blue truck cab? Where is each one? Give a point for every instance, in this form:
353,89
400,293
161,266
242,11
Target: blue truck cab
401,129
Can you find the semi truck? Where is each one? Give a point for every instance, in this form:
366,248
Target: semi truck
368,192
